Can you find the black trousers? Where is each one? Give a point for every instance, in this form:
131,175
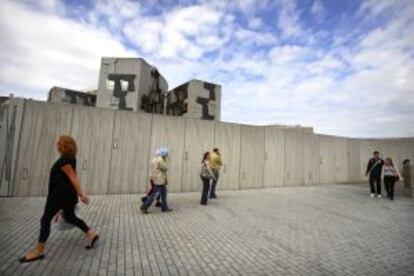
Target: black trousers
51,209
214,184
389,183
206,188
375,179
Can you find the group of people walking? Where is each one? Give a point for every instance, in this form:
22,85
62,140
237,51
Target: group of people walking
65,189
379,170
209,173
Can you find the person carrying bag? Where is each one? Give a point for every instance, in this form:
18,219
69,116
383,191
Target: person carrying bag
206,174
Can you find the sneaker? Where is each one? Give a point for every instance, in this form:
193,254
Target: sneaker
372,195
143,210
379,196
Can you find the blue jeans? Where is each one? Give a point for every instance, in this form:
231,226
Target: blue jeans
158,189
214,184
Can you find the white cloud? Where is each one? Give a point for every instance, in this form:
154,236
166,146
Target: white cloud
289,20
365,89
43,50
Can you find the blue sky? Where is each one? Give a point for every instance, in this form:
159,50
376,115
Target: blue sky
344,67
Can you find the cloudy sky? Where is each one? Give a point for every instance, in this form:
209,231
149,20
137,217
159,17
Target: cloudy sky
345,67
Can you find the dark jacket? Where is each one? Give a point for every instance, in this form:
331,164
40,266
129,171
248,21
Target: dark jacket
374,171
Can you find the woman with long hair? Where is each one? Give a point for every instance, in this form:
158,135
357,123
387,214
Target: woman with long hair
206,174
64,190
390,175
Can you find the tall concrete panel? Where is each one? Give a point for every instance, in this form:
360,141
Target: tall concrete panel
198,138
42,125
327,165
11,114
130,153
310,159
294,157
92,129
169,132
251,157
274,165
354,171
341,160
227,139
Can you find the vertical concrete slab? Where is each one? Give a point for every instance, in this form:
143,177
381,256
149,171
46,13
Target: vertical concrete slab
251,157
227,139
130,153
354,172
310,159
274,164
92,129
169,132
11,114
199,138
341,160
43,123
327,165
294,157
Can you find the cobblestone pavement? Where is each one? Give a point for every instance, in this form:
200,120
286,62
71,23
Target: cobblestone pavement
321,230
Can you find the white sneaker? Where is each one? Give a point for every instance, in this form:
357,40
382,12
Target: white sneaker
372,195
379,196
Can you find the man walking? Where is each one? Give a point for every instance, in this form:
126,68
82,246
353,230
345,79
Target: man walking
374,169
216,164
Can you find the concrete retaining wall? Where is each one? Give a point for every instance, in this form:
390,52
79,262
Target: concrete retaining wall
116,148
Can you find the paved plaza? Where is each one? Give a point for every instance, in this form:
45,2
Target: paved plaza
319,230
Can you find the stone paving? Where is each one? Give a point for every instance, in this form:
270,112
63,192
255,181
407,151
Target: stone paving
320,230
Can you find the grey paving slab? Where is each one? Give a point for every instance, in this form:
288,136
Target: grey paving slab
314,230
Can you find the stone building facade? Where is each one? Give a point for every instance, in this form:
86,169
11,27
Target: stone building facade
195,99
131,84
65,95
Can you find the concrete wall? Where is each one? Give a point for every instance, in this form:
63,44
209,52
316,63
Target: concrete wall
130,150
274,167
227,139
251,157
311,160
293,157
327,164
11,114
92,128
116,148
354,161
42,125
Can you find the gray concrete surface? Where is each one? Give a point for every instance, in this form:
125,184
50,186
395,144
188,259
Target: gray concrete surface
313,230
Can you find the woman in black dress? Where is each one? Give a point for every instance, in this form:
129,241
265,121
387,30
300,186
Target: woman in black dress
64,190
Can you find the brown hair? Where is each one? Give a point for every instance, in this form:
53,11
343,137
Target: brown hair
390,161
205,156
67,146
